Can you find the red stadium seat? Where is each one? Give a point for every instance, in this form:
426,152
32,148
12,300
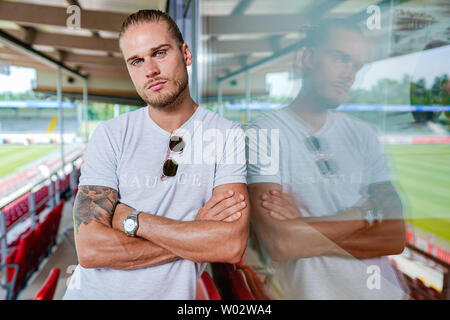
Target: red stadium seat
12,271
48,289
23,258
255,283
206,289
231,282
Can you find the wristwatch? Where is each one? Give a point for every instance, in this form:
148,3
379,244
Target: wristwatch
130,224
370,216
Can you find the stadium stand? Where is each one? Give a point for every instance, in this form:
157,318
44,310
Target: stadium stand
30,226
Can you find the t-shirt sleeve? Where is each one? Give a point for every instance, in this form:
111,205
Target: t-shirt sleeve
100,160
231,168
263,155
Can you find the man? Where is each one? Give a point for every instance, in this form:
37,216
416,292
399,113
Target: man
330,212
148,218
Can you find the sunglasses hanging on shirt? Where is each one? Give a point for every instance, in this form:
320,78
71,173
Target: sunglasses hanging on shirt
170,166
325,165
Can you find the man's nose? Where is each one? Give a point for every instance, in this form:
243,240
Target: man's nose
151,68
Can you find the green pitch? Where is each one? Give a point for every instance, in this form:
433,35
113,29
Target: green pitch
422,175
13,157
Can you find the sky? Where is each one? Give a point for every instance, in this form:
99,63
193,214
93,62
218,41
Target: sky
19,80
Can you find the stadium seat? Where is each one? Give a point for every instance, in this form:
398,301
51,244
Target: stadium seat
206,289
254,282
12,271
22,258
231,282
56,219
48,289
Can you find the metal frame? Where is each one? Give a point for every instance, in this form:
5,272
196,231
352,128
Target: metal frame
52,199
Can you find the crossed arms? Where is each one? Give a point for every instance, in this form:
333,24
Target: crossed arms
218,234
286,234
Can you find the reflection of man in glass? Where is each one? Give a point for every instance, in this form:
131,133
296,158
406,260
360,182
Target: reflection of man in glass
331,212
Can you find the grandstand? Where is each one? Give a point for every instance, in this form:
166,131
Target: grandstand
42,141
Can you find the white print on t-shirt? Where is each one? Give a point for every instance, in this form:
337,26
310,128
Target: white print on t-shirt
149,182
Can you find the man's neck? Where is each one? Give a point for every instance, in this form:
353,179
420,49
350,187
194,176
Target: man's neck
310,110
173,116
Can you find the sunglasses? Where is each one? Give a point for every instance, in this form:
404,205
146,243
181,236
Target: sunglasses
323,164
170,166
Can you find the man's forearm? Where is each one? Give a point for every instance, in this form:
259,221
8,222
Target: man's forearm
383,239
199,241
98,245
309,237
108,248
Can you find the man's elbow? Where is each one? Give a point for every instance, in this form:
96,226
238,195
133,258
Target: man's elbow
237,249
84,259
236,253
396,243
399,244
88,258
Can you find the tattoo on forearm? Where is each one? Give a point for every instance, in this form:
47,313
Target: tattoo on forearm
94,202
383,196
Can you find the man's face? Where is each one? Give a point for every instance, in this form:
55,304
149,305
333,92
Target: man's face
335,63
156,64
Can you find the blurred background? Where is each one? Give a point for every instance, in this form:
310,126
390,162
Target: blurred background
62,73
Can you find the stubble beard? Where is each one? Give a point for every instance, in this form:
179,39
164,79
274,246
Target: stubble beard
159,100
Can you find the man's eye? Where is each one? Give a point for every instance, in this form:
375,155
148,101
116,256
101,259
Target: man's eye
160,53
343,59
136,62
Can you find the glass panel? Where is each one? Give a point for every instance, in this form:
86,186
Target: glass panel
369,81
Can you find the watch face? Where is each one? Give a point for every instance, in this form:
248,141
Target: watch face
129,225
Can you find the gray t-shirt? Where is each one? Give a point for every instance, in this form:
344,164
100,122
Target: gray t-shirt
127,153
356,160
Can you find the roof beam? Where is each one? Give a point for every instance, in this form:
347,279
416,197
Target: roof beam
270,23
93,60
29,51
33,14
65,41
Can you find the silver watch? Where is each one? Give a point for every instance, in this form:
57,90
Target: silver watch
130,224
370,217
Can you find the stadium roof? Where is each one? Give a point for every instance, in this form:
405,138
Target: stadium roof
236,36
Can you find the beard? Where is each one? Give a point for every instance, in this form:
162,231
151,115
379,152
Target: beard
172,95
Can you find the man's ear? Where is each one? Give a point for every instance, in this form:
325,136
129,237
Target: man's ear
187,55
303,59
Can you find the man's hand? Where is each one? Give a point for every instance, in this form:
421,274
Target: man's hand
281,205
224,206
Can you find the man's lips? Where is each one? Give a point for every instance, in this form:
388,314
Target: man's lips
342,86
155,86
